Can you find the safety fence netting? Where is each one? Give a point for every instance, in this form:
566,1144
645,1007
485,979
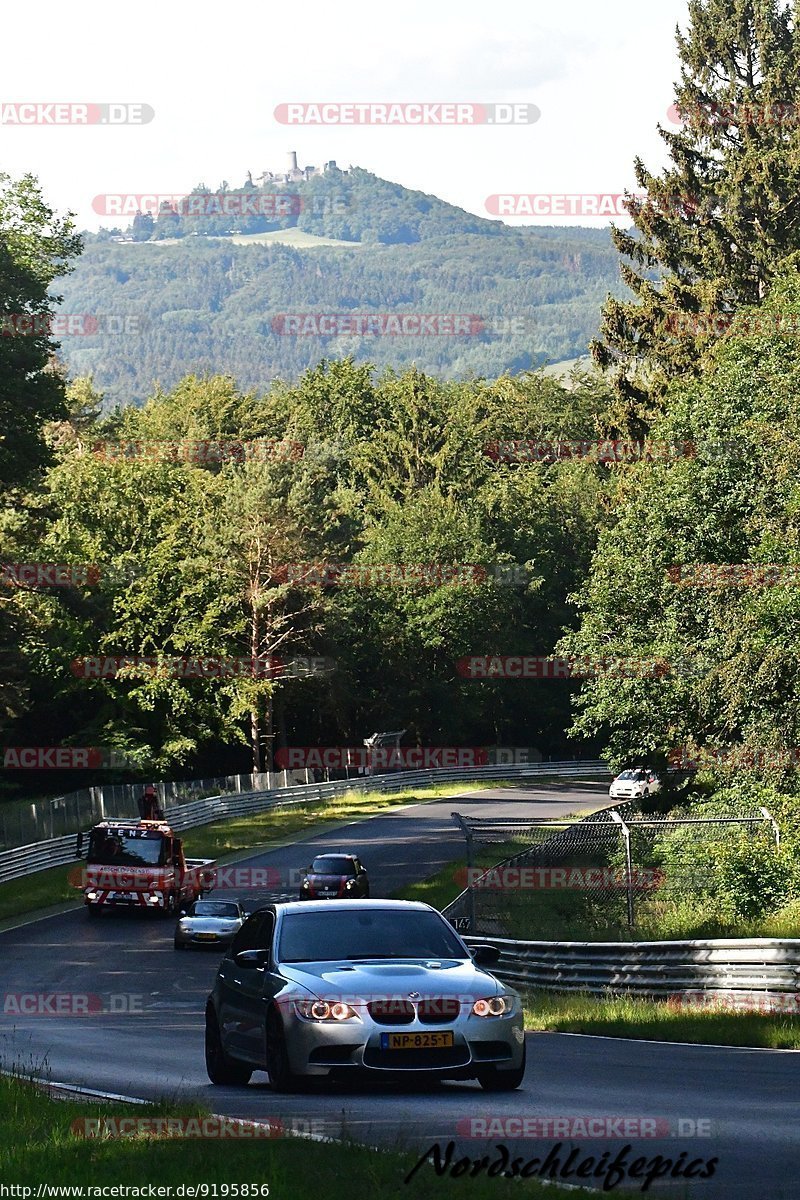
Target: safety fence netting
601,877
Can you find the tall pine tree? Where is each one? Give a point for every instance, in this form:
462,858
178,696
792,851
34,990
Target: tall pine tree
713,226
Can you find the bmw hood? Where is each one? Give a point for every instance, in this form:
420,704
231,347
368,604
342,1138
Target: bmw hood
378,980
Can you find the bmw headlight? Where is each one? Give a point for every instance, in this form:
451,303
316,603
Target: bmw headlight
323,1010
305,885
493,1006
351,883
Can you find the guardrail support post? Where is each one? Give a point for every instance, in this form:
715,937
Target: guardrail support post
626,833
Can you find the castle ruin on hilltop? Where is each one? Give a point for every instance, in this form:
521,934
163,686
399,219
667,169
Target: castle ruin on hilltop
293,173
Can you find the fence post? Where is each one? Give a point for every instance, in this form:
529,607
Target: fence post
626,833
767,815
470,889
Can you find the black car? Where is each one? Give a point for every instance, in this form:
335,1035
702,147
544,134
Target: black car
335,877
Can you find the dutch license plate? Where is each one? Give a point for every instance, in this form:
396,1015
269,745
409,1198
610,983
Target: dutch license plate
417,1041
206,937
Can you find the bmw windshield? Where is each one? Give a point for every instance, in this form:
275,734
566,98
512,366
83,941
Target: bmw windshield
319,936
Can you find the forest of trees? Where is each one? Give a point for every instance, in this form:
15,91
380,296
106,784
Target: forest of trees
212,306
190,560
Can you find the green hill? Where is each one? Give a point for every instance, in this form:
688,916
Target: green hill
210,301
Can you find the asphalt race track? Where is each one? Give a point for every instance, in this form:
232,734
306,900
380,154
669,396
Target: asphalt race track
135,1027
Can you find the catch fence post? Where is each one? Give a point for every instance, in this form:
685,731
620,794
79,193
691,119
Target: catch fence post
626,833
470,889
767,815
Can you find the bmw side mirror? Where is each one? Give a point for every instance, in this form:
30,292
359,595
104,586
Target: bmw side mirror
253,959
485,955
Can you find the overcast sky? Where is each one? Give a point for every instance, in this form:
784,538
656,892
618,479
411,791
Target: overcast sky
602,75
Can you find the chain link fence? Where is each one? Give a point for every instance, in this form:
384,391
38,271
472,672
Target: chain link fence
601,877
685,863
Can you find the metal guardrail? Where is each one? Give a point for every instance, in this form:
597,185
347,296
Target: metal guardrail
26,860
745,973
24,822
55,852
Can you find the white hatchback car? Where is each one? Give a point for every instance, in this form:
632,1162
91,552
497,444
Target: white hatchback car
634,783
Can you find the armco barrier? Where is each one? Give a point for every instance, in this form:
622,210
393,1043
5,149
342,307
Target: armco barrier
745,973
55,852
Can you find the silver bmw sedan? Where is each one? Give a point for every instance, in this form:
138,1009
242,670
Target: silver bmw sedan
378,986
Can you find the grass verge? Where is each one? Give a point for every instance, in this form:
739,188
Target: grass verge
659,1020
38,1145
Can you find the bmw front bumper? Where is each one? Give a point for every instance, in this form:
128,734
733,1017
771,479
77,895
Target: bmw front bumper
320,1047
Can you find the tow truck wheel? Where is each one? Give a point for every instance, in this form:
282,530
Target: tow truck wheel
221,1069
